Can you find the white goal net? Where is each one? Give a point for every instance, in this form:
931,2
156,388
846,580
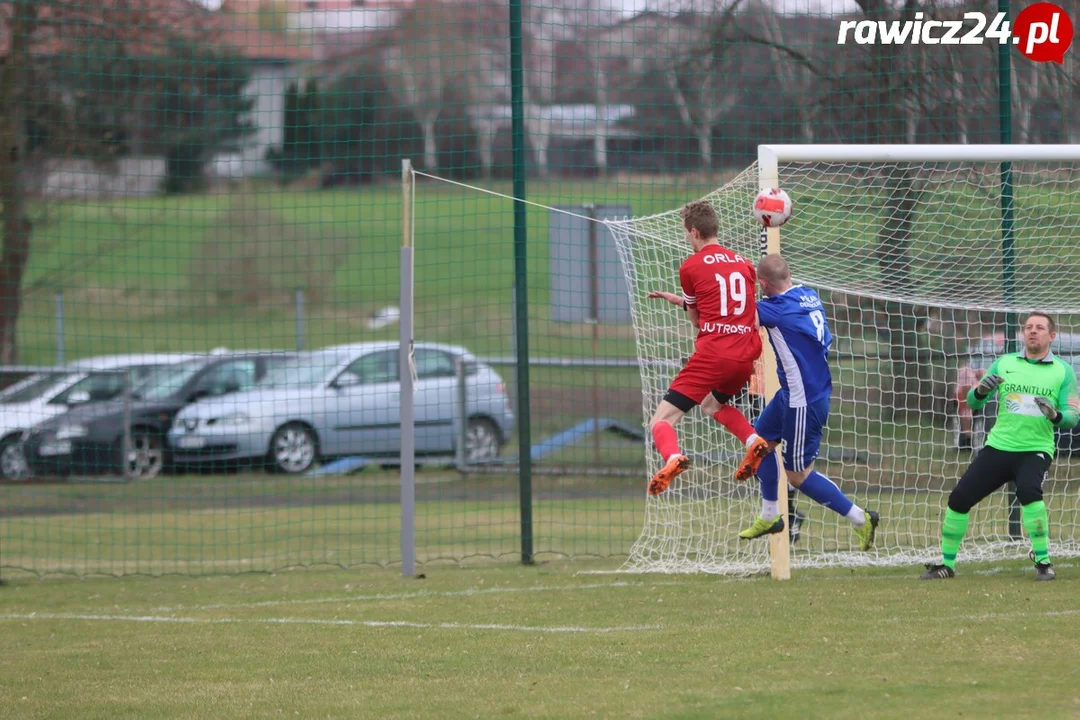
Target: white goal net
923,267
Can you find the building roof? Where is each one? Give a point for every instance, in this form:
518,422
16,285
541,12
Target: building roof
147,27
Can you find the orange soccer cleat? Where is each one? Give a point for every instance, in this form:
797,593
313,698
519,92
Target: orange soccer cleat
752,460
671,470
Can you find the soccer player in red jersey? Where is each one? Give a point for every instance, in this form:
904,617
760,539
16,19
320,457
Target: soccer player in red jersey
718,288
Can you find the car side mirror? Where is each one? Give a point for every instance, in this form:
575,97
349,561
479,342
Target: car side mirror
78,398
346,380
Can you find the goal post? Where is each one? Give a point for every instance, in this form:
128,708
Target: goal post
769,159
924,255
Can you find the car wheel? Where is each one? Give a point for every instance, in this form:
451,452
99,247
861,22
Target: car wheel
293,449
13,465
482,441
146,459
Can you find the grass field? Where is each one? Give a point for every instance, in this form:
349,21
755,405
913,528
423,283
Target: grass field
479,635
543,641
130,268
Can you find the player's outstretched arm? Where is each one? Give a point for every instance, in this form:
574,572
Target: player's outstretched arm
671,297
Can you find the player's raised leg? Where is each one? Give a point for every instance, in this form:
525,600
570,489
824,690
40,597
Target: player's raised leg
730,378
718,405
802,429
662,429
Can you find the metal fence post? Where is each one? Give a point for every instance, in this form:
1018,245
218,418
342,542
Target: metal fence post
405,384
299,319
127,450
1008,238
60,327
461,456
521,269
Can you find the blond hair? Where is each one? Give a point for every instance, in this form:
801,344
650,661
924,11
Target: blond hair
701,215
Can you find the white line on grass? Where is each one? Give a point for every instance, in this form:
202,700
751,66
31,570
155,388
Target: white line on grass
315,621
413,595
988,616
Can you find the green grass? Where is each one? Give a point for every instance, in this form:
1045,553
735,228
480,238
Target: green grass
127,267
221,524
827,644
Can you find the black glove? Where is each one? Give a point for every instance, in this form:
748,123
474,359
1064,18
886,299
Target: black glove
987,385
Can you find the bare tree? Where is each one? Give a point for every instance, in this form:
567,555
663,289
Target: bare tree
687,53
15,89
32,90
30,28
792,77
451,53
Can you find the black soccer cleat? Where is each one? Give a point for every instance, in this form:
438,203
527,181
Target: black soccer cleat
795,521
938,572
1044,571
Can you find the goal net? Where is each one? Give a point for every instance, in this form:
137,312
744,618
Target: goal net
926,267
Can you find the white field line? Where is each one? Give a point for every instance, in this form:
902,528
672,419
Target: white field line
558,629
336,623
989,616
412,595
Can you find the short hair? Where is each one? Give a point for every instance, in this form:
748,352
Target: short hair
1049,320
774,269
701,215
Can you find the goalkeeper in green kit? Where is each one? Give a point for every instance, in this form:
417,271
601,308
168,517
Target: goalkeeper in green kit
1036,393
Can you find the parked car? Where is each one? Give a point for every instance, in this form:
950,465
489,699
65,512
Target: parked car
39,397
345,400
969,429
90,439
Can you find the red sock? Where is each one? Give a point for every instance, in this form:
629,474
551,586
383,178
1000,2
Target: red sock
666,441
735,422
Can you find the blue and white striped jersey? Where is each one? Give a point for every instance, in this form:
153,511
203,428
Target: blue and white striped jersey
795,321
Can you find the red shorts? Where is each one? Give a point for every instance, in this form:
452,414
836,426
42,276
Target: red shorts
705,373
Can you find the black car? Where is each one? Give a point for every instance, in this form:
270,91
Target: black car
89,440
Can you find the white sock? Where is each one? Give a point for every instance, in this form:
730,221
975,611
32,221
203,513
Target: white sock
769,509
751,440
672,458
856,516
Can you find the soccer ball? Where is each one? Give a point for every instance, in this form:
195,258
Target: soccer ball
772,207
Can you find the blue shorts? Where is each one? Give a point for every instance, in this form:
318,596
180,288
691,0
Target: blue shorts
798,429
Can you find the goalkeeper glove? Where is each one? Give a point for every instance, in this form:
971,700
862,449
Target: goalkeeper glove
987,385
1048,410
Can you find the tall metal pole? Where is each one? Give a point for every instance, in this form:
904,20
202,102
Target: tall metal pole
60,327
405,347
521,321
1008,239
299,319
594,320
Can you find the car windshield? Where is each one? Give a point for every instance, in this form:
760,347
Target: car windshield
164,382
304,371
31,388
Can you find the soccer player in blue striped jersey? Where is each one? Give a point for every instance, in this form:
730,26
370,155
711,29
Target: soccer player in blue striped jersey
795,417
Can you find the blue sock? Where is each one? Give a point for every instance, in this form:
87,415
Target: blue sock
821,490
769,477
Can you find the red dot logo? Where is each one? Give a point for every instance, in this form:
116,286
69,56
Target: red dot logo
1043,32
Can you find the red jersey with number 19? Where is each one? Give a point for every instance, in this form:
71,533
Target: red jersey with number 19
721,285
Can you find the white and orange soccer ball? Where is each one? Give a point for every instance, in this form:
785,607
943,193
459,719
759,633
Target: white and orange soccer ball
772,207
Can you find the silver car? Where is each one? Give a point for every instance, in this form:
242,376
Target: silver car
343,401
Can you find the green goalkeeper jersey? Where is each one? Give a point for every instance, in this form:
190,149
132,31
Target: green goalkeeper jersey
1021,426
